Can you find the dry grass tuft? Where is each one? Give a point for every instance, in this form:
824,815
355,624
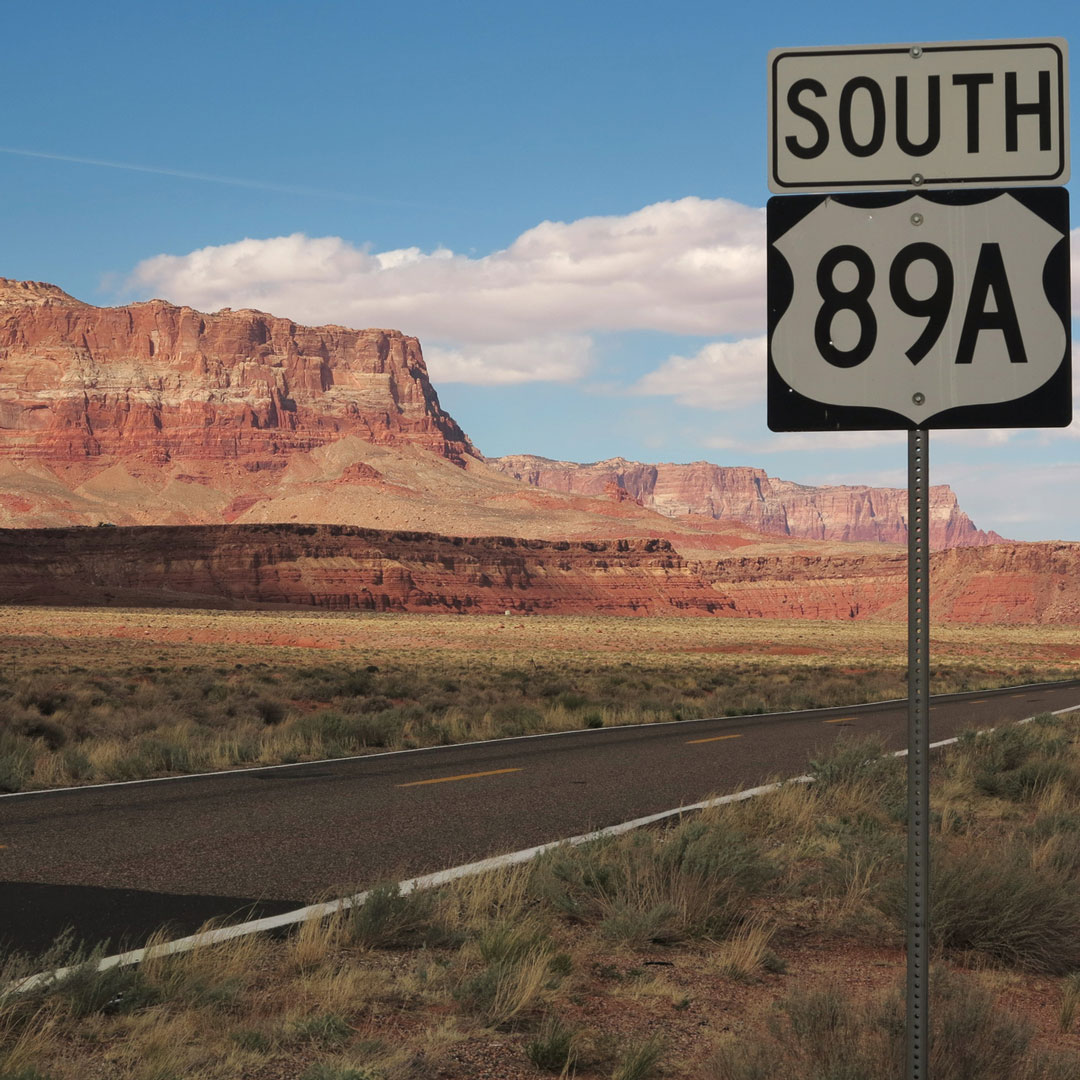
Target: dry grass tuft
745,953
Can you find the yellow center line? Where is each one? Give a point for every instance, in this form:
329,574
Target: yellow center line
979,701
715,738
841,720
463,776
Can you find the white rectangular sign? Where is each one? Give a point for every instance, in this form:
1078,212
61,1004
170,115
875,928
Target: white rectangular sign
987,113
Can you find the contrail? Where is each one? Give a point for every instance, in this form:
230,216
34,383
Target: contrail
260,185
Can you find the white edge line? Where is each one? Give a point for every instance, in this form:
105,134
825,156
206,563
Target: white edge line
508,739
425,881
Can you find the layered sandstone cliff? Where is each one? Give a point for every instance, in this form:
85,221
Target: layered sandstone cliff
343,568
157,414
153,382
761,502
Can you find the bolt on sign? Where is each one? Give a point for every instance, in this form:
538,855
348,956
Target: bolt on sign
938,300
897,116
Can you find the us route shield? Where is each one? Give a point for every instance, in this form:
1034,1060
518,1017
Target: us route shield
944,309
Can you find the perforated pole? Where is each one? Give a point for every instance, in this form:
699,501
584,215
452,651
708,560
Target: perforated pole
918,849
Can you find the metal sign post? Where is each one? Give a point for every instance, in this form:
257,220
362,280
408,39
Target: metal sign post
939,300
918,848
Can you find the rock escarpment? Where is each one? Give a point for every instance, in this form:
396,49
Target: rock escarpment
154,382
346,568
756,500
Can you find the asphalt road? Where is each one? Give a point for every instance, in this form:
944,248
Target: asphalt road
119,861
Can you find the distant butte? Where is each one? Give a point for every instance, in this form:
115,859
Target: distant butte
750,496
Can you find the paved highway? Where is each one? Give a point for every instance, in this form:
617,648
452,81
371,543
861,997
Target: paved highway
119,861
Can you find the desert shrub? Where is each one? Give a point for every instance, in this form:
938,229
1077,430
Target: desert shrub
641,1059
514,719
323,1029
852,760
389,919
357,682
76,764
569,699
825,1035
553,1047
648,886
1027,779
510,941
86,990
1070,1000
1065,823
1020,760
252,1039
321,1070
52,734
503,990
16,761
335,732
44,694
992,900
397,686
158,755
269,711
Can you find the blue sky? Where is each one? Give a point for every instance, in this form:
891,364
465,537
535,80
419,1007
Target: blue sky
564,201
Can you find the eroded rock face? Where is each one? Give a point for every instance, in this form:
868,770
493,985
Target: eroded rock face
156,382
347,568
757,500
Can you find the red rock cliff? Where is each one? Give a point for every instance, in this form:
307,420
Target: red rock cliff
752,497
152,380
343,567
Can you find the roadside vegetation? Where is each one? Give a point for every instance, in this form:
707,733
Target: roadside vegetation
759,939
92,697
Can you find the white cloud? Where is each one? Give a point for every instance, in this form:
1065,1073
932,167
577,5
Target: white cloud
813,441
691,266
722,375
552,359
975,436
1025,501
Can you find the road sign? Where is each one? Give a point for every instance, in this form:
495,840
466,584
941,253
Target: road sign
937,309
992,113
